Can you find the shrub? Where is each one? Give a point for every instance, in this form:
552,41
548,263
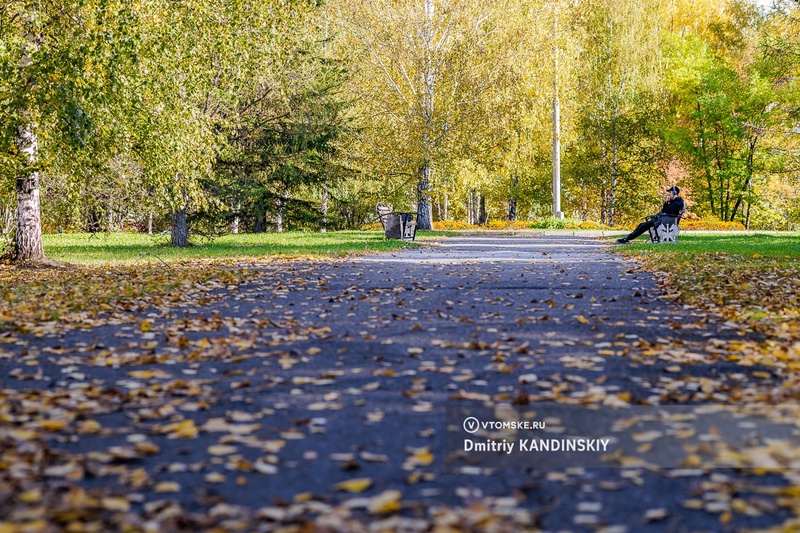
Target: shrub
547,223
568,223
453,225
711,223
588,224
497,224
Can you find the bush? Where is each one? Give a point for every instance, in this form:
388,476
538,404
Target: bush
453,225
547,223
711,223
568,223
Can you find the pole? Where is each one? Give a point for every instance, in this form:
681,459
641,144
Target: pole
556,129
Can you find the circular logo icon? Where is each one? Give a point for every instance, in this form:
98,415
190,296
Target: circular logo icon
471,424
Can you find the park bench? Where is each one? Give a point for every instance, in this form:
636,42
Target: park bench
397,225
666,228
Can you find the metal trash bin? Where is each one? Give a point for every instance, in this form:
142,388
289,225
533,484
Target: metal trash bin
392,226
397,225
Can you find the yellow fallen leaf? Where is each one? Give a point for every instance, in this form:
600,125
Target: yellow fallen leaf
654,515
167,486
421,457
221,449
243,429
23,434
31,496
185,429
146,326
116,504
146,448
647,436
582,319
89,427
33,526
52,425
386,502
354,485
214,477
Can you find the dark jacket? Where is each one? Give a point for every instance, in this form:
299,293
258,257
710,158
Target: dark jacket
674,207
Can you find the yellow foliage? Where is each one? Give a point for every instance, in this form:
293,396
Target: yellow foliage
453,225
711,223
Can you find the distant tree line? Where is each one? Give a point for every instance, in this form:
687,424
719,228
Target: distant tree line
206,117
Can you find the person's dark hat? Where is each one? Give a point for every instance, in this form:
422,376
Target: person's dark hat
674,189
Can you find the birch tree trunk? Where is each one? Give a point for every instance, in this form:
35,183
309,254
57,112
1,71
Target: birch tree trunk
279,215
511,215
324,207
424,212
235,224
180,230
473,207
28,246
612,199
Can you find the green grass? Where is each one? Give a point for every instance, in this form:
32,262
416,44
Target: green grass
778,246
85,248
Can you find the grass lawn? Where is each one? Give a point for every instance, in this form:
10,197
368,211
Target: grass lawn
126,248
739,244
751,278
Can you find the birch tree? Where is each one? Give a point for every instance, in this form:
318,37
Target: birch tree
206,59
622,64
424,68
61,68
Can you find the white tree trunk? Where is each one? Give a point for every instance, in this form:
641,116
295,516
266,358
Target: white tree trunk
324,207
279,216
235,225
424,213
180,229
28,239
612,200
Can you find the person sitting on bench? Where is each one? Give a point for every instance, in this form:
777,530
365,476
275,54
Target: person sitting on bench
674,206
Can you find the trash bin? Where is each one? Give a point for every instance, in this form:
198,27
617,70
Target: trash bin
392,226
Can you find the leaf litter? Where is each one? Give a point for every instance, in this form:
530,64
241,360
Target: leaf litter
194,385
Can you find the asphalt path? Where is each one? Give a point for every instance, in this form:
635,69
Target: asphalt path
334,393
